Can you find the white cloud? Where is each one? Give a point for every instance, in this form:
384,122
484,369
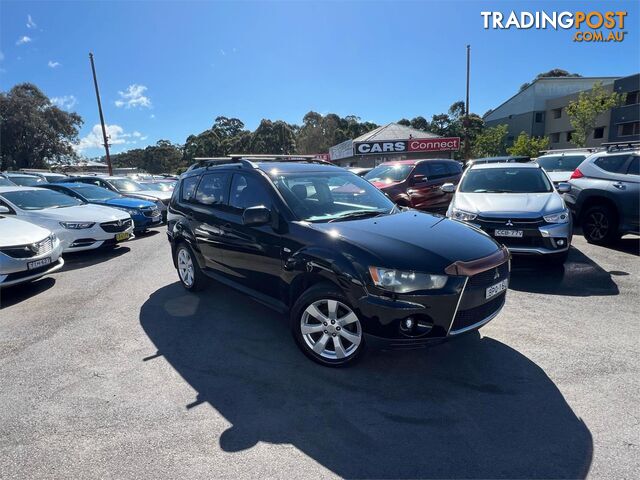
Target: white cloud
222,52
30,22
116,134
53,64
133,97
67,102
152,116
22,40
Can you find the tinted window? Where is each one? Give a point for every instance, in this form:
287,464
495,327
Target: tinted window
27,181
126,185
560,163
94,193
189,188
453,169
505,180
634,166
248,191
389,173
6,183
40,198
422,169
213,189
612,163
437,170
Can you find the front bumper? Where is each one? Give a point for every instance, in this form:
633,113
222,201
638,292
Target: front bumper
459,307
142,222
24,276
90,238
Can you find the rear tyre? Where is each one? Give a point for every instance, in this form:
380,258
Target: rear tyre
189,273
326,327
600,225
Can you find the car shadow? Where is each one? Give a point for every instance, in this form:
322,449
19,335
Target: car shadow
13,295
88,258
472,408
579,276
629,244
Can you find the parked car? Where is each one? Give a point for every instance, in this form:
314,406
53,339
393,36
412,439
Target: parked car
159,185
27,251
360,171
605,189
560,165
79,226
144,214
517,205
48,176
416,183
503,159
349,273
24,179
5,182
129,188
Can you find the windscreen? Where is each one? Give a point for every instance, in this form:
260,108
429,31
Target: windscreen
38,199
27,181
93,193
126,185
560,163
505,180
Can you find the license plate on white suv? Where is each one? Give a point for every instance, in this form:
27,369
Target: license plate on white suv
39,263
494,290
509,233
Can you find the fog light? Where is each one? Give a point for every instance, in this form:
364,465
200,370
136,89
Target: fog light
408,323
560,243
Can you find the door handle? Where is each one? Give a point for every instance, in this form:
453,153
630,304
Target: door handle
620,185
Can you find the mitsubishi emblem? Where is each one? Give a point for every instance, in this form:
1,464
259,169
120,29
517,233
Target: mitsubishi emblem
497,274
509,223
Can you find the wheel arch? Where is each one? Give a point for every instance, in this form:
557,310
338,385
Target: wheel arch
595,200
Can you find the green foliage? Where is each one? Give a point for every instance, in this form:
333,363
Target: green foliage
490,142
33,130
527,146
554,72
273,137
319,133
163,157
584,111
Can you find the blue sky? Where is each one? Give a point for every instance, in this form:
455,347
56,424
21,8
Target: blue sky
167,69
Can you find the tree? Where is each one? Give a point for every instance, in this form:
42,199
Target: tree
527,146
584,111
404,122
554,72
273,137
491,142
163,157
420,123
33,130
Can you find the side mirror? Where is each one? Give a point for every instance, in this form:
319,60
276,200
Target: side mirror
563,187
448,188
256,216
418,178
4,209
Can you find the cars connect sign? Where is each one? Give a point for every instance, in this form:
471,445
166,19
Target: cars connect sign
437,144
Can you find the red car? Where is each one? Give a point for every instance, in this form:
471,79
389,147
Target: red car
416,183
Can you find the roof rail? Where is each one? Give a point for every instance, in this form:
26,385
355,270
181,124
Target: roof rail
280,158
213,161
560,150
616,146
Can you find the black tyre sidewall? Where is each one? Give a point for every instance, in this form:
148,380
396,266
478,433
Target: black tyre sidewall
320,292
198,276
612,233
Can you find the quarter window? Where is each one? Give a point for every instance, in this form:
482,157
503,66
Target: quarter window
248,191
212,189
612,163
189,188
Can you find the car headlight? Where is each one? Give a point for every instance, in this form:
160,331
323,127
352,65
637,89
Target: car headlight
130,211
462,215
559,217
77,225
399,281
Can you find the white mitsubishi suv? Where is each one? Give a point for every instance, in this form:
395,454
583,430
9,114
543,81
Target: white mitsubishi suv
78,225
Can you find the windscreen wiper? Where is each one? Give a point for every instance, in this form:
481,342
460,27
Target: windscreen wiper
364,213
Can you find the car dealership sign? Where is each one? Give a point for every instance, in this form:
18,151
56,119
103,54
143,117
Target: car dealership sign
436,144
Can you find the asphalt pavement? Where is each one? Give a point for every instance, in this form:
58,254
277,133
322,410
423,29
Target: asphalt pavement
109,369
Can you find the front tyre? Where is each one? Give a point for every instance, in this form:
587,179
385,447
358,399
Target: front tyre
191,277
326,328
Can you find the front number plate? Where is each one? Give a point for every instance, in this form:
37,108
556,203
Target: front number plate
39,263
509,233
122,236
494,290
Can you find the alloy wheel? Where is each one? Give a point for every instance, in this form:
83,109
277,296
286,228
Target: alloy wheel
331,329
185,267
597,226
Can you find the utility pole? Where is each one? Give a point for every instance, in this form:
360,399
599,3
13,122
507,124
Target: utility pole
466,109
104,130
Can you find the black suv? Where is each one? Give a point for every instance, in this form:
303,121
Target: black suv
350,268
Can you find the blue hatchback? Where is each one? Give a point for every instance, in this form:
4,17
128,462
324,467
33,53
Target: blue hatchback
144,214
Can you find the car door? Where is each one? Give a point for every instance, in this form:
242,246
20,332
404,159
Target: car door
204,198
622,187
630,193
252,254
421,188
434,199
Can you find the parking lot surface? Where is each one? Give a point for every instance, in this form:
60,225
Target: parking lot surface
110,369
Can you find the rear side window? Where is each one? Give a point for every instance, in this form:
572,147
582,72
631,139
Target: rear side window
189,188
213,189
634,166
248,191
612,163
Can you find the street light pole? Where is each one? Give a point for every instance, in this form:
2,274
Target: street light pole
466,109
104,130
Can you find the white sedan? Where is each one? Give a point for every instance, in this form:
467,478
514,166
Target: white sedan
78,225
27,251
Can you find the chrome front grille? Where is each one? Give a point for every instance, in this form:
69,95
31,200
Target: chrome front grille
31,250
45,246
116,226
